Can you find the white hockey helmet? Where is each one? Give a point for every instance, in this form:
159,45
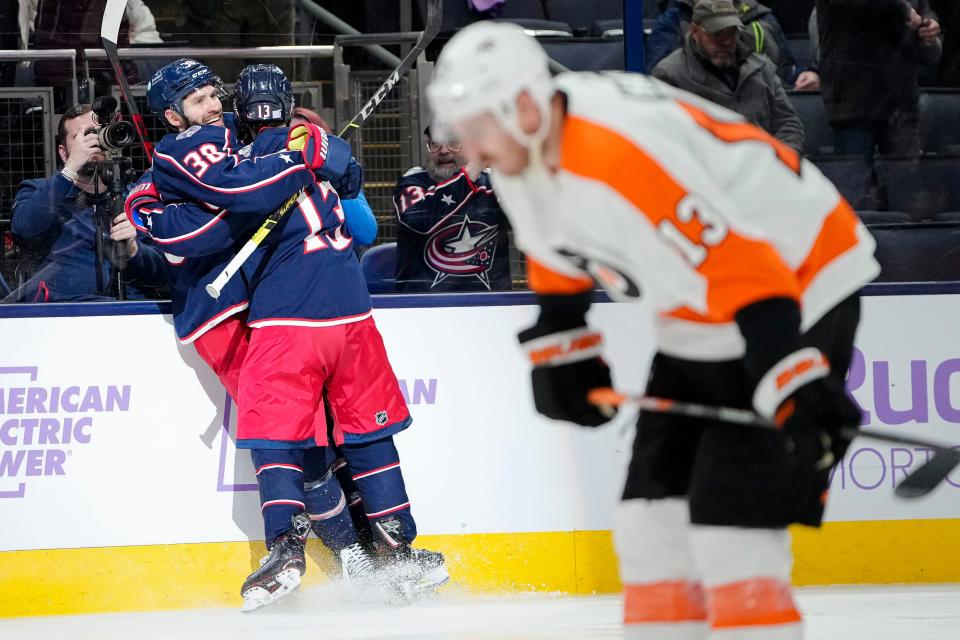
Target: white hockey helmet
483,69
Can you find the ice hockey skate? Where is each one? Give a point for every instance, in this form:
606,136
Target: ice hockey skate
356,563
280,570
413,572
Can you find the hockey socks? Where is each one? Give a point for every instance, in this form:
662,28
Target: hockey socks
327,507
375,469
285,490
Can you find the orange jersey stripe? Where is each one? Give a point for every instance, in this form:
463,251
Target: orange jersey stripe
738,270
751,603
670,601
546,281
742,132
837,236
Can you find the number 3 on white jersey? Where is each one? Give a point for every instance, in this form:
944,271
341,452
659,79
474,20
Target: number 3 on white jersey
201,159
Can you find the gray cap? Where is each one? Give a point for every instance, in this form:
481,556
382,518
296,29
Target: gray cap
716,15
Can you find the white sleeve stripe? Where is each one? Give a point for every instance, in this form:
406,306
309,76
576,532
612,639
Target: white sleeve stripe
192,234
792,372
253,187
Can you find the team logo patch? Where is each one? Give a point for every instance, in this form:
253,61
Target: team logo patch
615,281
188,132
381,418
245,151
462,249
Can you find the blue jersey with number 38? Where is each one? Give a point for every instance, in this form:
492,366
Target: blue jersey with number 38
305,273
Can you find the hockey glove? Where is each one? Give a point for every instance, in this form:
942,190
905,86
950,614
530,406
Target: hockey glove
349,184
813,418
794,387
328,156
566,360
142,199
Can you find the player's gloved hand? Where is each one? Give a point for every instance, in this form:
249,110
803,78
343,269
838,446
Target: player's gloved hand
311,141
328,156
143,195
566,366
816,409
349,184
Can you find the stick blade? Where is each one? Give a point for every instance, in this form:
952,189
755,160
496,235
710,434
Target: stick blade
433,22
929,475
112,17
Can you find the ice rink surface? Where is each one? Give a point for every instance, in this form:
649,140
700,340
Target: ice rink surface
328,613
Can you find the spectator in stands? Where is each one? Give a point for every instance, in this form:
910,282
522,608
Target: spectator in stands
452,233
75,24
762,35
949,14
56,217
809,79
870,55
792,14
715,64
239,23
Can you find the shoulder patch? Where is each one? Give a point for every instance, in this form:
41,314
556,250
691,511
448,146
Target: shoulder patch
188,132
245,151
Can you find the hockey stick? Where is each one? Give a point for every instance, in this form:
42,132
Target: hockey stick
430,31
109,34
916,484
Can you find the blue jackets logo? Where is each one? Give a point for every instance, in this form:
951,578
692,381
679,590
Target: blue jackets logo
463,249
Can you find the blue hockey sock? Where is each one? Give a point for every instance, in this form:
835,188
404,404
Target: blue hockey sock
375,469
280,480
327,506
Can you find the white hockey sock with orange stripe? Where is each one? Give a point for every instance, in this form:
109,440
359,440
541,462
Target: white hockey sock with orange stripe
746,577
663,598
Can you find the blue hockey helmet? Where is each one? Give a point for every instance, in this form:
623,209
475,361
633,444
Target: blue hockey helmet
263,94
173,82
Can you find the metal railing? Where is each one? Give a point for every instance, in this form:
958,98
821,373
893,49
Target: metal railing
30,55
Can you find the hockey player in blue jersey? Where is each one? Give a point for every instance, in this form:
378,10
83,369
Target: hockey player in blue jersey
282,305
199,238
314,337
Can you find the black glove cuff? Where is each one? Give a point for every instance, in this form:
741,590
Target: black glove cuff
771,330
558,313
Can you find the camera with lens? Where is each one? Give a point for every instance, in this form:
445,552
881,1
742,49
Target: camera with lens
113,135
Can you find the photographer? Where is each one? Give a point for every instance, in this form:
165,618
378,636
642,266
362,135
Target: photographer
56,219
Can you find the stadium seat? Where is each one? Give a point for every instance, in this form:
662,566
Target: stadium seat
541,28
940,122
853,176
379,265
614,28
583,15
918,252
871,217
922,187
947,216
587,55
817,133
523,9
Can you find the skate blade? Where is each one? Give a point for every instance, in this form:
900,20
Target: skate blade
428,583
257,597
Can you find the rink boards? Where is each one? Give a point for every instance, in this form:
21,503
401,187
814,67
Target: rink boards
120,487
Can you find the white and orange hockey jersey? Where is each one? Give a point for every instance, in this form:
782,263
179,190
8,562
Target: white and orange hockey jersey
665,196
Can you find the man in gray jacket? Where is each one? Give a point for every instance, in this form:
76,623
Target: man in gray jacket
714,66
